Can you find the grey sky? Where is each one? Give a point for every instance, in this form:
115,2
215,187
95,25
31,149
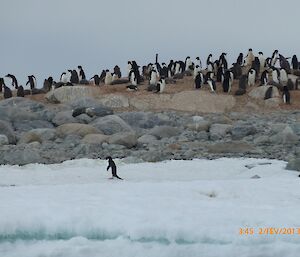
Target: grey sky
46,37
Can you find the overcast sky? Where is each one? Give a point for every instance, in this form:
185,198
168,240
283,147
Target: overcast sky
46,37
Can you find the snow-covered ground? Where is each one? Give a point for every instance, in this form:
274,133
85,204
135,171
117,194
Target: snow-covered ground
174,208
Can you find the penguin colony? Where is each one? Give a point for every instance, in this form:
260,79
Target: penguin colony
249,69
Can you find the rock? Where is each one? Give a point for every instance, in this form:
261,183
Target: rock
95,139
241,130
286,137
272,102
84,118
111,124
99,111
262,140
67,94
7,130
277,127
260,92
296,127
232,147
63,118
22,103
293,164
114,101
164,131
127,139
16,114
29,137
201,125
219,131
45,134
27,125
76,129
144,120
146,139
3,140
255,177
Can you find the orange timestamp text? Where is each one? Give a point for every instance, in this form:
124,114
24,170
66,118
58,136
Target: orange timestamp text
270,231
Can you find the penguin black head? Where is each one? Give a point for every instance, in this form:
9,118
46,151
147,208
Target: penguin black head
106,70
69,70
250,50
79,67
197,58
108,158
260,53
197,66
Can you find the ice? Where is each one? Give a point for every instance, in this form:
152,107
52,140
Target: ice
171,208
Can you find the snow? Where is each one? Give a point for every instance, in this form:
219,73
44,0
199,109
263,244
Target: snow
172,208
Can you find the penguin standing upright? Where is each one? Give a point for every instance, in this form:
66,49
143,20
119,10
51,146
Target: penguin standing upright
198,62
132,78
108,78
112,165
188,63
177,68
102,75
2,84
295,63
20,91
212,84
196,70
81,74
283,77
209,63
275,74
286,95
256,65
160,87
240,58
153,77
117,71
264,78
249,58
198,80
96,79
74,77
31,81
171,68
274,58
64,78
251,77
262,61
223,62
164,73
14,81
227,81
129,67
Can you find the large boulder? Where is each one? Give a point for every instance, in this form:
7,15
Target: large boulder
219,131
293,164
27,125
239,147
111,124
286,137
67,94
3,140
241,130
164,131
7,130
76,129
29,137
198,124
95,139
63,118
114,101
127,139
23,104
45,134
17,114
260,92
146,139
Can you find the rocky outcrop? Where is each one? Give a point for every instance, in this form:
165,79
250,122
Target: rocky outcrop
76,129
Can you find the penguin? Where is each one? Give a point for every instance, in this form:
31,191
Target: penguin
132,88
129,67
227,81
242,85
114,77
212,84
177,68
286,95
207,76
96,79
108,78
188,63
198,80
31,81
14,81
290,84
264,78
7,92
198,62
160,87
171,68
269,93
153,77
102,75
268,62
164,73
275,74
256,65
240,58
223,61
220,74
251,77
74,77
117,71
1,84
262,61
284,64
132,78
112,165
135,68
20,91
295,63
283,77
274,58
81,74
209,63
236,70
249,58
196,70
48,84
64,78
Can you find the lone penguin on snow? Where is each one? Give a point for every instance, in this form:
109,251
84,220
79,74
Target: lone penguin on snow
112,165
